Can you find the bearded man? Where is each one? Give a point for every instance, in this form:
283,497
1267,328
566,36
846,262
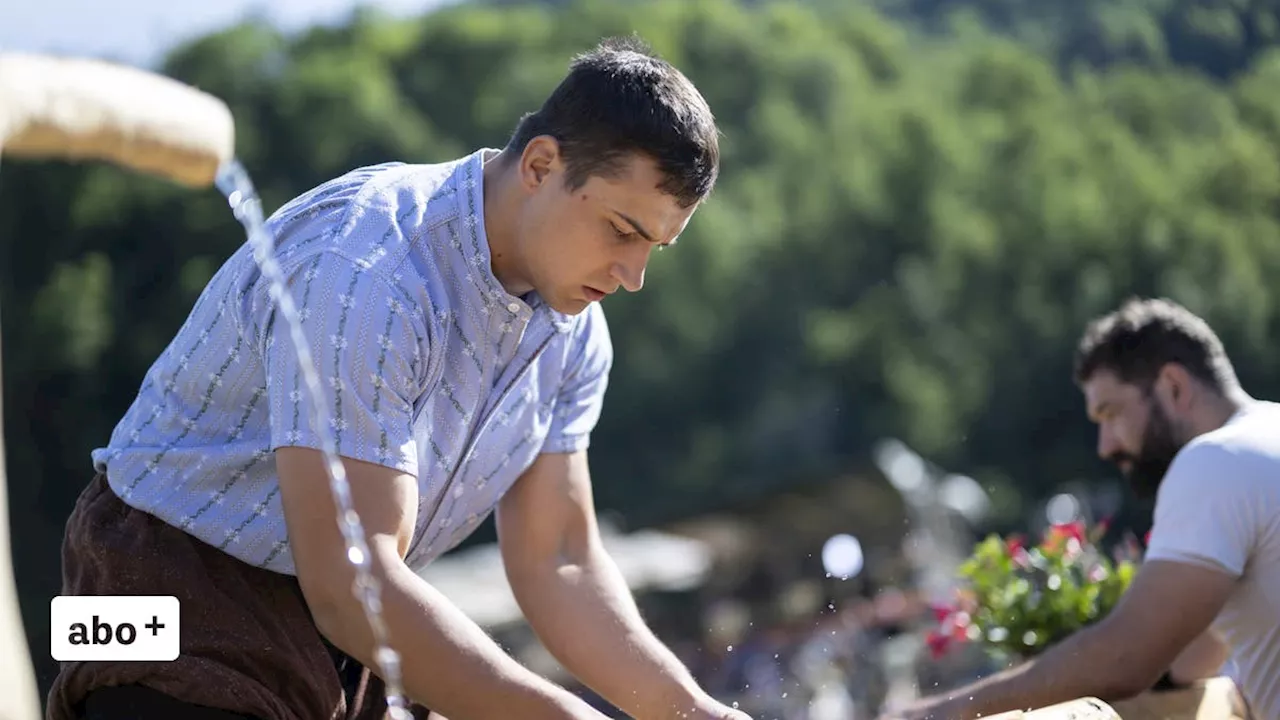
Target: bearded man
1172,415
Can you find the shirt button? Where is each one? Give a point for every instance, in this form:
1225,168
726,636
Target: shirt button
514,307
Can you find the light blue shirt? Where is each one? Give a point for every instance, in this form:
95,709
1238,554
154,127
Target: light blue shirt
429,366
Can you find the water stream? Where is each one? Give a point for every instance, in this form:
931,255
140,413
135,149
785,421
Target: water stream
234,182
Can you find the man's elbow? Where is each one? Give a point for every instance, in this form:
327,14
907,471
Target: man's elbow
330,605
335,607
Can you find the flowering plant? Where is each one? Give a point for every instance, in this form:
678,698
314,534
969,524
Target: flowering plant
1018,600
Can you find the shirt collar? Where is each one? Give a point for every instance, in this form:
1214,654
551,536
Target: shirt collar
477,255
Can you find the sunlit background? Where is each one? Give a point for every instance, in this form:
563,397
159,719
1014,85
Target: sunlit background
855,365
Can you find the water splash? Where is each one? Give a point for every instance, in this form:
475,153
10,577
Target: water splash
233,180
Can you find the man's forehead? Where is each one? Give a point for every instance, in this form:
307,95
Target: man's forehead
1105,388
635,193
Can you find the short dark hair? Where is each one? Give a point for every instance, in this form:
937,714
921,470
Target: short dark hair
1143,335
620,99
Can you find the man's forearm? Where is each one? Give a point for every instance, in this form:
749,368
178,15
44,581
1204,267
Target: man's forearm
585,616
448,662
1082,665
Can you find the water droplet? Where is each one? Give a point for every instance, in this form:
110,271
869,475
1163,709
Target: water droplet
355,556
735,704
729,649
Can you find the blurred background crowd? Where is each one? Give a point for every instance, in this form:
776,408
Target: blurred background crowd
857,360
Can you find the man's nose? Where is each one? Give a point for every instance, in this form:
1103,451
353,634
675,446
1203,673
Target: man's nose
1107,445
629,270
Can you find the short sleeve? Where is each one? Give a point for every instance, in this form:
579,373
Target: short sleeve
581,396
367,351
1204,512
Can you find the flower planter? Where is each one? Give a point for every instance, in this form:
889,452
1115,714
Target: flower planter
1017,600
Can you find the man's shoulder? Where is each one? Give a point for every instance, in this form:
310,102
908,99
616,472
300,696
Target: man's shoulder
382,186
1255,427
372,217
1237,456
1251,435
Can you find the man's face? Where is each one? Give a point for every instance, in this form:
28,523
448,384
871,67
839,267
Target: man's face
1134,431
581,245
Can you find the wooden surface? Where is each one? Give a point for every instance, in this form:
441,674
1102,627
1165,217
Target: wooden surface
1081,709
1215,699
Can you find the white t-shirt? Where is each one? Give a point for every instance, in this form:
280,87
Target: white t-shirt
1219,507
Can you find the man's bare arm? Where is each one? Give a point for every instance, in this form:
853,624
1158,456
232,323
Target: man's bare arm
1168,606
578,602
449,663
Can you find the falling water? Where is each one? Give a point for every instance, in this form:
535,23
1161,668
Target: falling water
233,180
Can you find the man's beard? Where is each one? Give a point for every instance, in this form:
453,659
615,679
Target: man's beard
1160,444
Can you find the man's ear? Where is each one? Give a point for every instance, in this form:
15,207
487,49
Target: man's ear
1176,385
539,161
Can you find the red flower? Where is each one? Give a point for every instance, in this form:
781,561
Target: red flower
1100,530
1059,537
1017,549
941,613
1071,530
937,643
1014,543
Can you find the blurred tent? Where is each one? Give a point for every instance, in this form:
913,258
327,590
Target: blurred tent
650,560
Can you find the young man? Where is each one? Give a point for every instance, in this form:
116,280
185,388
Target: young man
452,313
1172,415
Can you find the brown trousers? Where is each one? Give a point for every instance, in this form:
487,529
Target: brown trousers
248,642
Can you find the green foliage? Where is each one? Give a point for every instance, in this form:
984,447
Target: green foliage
1018,601
910,231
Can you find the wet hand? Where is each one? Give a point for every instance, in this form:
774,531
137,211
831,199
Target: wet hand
924,709
710,709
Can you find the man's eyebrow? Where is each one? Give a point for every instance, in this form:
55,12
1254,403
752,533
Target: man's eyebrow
1096,411
638,227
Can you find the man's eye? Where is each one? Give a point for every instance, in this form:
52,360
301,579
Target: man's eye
620,232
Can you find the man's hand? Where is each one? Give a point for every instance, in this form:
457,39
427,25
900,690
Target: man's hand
708,708
937,708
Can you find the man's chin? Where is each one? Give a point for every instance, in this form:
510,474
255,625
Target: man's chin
570,307
1144,485
1142,490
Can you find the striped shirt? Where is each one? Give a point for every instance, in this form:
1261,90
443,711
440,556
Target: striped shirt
427,364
